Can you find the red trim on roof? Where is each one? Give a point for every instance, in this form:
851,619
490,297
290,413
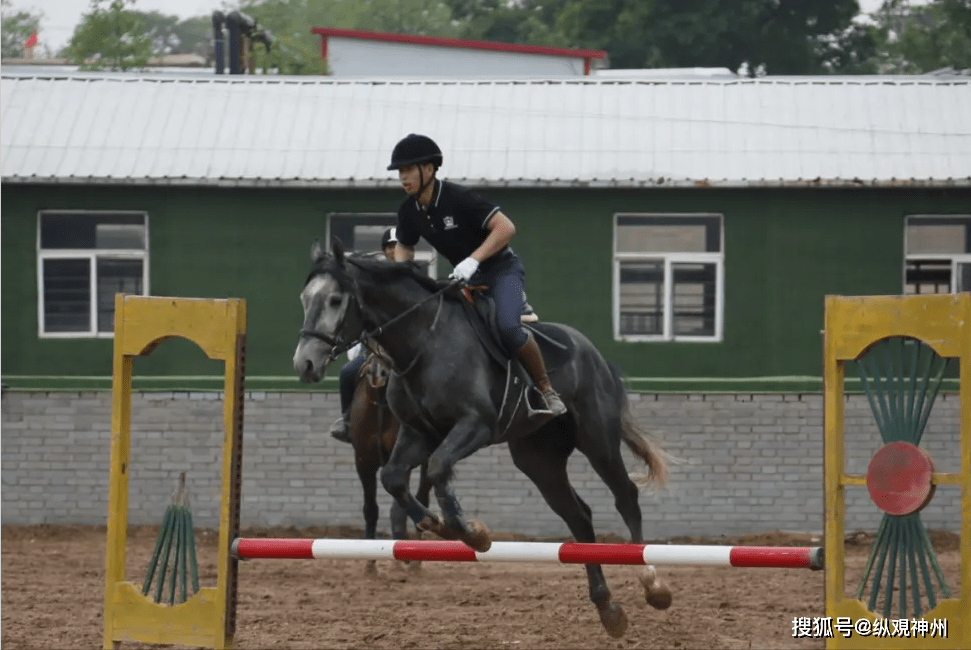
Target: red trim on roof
457,42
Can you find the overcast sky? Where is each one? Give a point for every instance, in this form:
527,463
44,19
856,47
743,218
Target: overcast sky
62,16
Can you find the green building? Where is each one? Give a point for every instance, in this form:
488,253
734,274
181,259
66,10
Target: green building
690,229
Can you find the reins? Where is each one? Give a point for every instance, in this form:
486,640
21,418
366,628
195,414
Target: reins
338,345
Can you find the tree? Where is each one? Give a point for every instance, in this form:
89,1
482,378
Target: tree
16,28
110,37
777,35
173,36
297,51
525,22
922,38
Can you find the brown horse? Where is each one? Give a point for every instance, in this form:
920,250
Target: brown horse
374,430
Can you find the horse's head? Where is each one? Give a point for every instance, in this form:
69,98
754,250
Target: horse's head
332,319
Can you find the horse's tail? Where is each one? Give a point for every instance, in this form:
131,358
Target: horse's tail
639,441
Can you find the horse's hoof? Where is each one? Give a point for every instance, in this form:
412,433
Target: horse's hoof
659,596
432,524
477,536
614,619
656,593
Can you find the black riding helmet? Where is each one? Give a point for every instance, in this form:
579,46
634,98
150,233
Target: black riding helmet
414,148
389,237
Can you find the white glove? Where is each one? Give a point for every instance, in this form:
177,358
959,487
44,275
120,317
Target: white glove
464,270
354,351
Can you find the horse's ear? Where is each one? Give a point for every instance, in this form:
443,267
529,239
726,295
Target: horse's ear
337,247
317,252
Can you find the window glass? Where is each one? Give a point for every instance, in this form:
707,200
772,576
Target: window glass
937,247
361,232
86,258
662,234
84,231
642,297
964,276
116,276
694,299
67,295
668,269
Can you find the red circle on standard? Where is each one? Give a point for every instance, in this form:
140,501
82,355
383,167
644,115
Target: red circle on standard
899,478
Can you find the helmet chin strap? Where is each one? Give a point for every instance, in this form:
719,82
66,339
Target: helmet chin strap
422,184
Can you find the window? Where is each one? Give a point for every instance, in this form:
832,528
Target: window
361,232
938,254
668,277
83,260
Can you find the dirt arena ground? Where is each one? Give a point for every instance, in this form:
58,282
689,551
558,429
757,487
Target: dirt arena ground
53,586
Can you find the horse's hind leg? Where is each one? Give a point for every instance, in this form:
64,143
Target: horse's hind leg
609,465
543,458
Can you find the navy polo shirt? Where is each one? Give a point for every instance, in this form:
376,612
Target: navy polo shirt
454,224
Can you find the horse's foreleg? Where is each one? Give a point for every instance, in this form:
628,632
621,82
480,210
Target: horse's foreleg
368,475
463,440
409,451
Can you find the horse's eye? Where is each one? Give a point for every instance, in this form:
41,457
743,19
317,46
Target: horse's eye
335,301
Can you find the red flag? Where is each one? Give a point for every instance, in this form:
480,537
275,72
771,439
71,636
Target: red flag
32,41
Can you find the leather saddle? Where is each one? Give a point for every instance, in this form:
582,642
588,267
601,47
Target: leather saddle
522,399
375,370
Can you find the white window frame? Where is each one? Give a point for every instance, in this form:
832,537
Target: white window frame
954,258
92,255
669,260
421,256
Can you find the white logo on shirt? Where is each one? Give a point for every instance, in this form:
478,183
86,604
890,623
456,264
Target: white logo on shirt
449,223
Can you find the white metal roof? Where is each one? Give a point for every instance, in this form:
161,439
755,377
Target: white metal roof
318,132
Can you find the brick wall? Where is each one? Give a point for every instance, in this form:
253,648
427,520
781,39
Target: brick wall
748,463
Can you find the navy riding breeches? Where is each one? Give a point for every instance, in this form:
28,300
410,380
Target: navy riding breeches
506,280
348,380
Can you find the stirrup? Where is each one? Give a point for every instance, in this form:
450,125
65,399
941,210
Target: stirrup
552,406
529,314
340,430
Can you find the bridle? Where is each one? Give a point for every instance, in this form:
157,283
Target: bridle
339,345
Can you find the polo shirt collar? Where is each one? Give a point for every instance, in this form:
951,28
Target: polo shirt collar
437,195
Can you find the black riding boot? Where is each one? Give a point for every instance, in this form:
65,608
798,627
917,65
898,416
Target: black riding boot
532,360
341,429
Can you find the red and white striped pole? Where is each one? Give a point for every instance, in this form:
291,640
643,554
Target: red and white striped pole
770,557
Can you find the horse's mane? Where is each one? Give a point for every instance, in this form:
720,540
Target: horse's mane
375,265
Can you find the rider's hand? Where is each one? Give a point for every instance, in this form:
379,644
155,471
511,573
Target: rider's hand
465,269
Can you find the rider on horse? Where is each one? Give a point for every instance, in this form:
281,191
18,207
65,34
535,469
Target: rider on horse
474,235
349,373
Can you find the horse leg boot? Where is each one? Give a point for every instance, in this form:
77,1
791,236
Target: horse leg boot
532,359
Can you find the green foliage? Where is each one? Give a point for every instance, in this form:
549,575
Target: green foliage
524,22
110,37
16,28
173,36
922,38
774,36
778,36
297,51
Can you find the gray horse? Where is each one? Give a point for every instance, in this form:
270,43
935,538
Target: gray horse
453,398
